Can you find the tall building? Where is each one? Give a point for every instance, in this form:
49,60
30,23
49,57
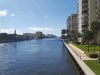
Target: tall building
38,35
98,8
87,13
98,3
72,24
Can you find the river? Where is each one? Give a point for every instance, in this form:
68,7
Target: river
36,57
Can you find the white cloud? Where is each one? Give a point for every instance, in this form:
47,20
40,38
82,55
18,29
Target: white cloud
44,30
19,32
31,29
9,31
40,29
4,12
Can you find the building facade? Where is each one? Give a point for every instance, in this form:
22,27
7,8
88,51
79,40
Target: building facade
29,35
72,24
87,13
38,35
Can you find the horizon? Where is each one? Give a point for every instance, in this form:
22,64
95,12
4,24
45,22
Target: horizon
13,31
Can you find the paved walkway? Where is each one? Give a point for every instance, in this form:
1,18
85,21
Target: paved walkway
74,52
79,52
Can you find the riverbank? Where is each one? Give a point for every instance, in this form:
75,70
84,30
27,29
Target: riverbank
78,57
20,39
6,38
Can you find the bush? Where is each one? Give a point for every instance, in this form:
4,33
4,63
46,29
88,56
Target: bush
78,42
93,55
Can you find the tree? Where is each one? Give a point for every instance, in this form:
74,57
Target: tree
95,27
63,33
98,19
87,37
79,36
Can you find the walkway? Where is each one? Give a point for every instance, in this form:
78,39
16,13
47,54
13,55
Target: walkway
79,52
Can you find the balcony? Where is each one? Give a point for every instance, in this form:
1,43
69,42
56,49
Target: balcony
84,27
85,2
85,22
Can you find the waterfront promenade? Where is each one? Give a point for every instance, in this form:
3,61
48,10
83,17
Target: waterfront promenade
79,56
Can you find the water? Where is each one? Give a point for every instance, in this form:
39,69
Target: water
36,57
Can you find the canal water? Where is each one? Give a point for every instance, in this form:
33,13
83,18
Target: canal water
36,57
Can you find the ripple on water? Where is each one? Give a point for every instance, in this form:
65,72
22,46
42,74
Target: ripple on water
2,44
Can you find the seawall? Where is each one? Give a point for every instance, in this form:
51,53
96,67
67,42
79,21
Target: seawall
82,67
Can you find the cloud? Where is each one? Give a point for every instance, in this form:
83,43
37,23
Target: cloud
29,30
44,30
4,12
40,29
9,31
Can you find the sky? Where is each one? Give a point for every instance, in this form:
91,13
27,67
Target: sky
29,16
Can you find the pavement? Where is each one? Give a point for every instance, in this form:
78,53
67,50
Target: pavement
81,54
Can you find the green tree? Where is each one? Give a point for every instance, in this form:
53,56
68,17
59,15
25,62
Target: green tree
95,27
63,33
98,18
78,35
87,37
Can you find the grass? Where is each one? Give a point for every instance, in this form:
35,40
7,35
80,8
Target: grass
85,47
94,65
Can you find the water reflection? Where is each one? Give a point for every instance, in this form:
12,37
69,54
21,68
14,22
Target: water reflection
36,57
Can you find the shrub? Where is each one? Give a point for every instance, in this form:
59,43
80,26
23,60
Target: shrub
78,42
93,55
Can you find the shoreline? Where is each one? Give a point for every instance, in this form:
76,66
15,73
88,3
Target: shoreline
10,41
82,67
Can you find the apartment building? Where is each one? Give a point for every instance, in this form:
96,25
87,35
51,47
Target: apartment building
38,35
72,24
87,13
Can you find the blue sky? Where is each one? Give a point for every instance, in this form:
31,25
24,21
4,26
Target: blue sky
48,16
